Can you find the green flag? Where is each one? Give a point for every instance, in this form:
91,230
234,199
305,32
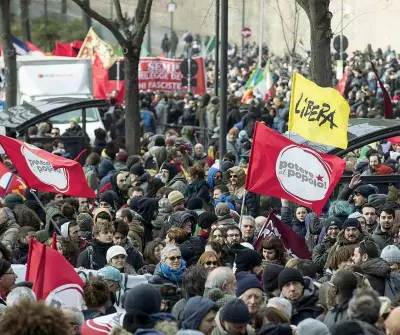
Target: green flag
210,46
256,77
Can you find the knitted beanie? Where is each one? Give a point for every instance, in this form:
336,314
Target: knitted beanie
276,329
270,277
377,200
333,221
312,327
195,203
246,281
349,327
391,254
143,297
289,275
245,258
352,223
4,266
206,219
236,312
176,198
85,221
11,200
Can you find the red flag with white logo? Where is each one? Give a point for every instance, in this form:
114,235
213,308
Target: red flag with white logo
46,172
281,168
10,183
294,244
58,288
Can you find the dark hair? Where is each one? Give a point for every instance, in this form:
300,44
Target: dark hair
223,188
307,268
232,227
137,189
229,156
56,142
95,293
120,226
389,210
70,250
23,231
74,202
93,159
368,247
67,210
132,160
196,170
194,281
148,254
216,246
127,213
25,216
367,205
100,134
275,243
72,223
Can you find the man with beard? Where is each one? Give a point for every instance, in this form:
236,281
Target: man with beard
320,252
376,166
369,213
172,179
350,235
382,235
375,269
247,260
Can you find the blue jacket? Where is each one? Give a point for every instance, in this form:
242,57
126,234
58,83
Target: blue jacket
226,199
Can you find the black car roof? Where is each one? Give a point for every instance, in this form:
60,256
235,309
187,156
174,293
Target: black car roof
30,113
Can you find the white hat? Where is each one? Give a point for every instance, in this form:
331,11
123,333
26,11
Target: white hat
115,250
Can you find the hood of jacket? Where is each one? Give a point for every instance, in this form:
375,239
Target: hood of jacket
51,211
136,228
211,173
177,177
377,267
178,218
97,211
195,310
106,166
148,208
283,113
240,173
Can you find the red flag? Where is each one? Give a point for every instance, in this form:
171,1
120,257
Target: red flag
395,140
98,326
341,85
281,168
10,182
387,101
60,288
294,244
46,172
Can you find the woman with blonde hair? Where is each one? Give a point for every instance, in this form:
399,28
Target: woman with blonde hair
209,260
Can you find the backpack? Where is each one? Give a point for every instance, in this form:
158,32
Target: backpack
392,289
146,118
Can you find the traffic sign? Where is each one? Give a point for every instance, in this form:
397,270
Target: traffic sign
336,43
246,32
184,67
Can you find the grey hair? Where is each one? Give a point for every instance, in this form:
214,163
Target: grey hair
282,305
167,250
248,218
364,306
19,294
77,316
218,280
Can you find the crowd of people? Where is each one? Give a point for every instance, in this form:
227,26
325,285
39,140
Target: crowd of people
179,215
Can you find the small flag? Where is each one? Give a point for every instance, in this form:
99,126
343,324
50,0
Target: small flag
210,46
387,101
318,114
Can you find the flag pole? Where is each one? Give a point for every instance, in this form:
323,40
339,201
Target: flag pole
241,209
33,192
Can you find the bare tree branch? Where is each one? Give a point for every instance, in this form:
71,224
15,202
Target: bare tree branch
142,20
121,18
104,21
278,10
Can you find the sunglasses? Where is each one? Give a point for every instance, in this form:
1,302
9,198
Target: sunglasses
56,133
208,263
175,258
232,176
217,177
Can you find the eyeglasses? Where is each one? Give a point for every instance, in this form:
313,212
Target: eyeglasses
174,258
209,263
10,273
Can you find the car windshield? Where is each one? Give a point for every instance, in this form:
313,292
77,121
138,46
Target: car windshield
91,116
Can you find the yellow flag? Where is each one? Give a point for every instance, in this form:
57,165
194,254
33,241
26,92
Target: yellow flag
93,46
318,114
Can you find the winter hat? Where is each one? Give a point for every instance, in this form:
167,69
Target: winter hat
355,215
133,204
391,254
352,223
246,281
11,200
85,221
115,250
206,219
195,310
110,273
288,275
312,327
377,200
226,165
64,229
245,258
159,141
236,312
4,266
365,190
195,203
222,209
333,221
137,169
349,327
75,120
270,277
143,297
276,329
176,198
122,156
109,198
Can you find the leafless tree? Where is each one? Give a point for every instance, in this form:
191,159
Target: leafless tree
130,38
9,54
321,33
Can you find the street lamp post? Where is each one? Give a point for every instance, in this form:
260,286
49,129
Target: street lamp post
171,9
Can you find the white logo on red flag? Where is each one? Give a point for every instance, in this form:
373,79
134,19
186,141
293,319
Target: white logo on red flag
68,295
303,173
43,170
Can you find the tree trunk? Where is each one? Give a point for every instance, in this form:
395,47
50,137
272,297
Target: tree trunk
87,21
25,26
132,108
321,34
9,54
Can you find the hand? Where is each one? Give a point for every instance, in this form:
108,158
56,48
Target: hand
355,181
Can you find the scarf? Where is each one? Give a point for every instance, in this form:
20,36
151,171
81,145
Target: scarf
172,274
194,187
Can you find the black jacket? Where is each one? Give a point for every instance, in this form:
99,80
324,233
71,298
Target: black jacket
89,314
20,253
192,249
134,258
376,270
94,257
